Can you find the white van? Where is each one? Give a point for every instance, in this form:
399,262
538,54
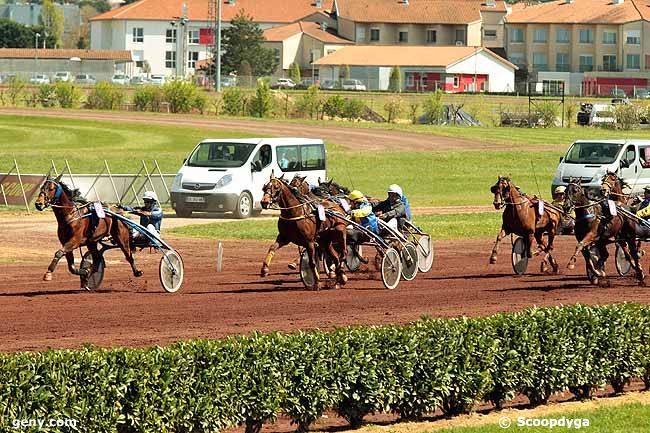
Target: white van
228,175
589,160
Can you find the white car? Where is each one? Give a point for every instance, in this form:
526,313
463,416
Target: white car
39,79
157,79
284,83
353,85
120,79
63,76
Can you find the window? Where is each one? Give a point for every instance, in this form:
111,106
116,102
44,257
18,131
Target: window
193,37
262,158
586,36
540,62
314,55
586,63
403,36
562,62
539,36
460,36
609,38
490,34
170,36
287,157
276,53
563,36
516,35
374,35
517,59
170,59
138,34
424,81
633,61
633,37
312,157
361,34
644,156
432,36
609,63
410,79
192,58
456,82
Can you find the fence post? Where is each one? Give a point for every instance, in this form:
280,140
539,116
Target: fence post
21,185
162,179
110,176
67,167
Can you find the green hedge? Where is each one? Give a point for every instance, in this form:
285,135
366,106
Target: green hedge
411,370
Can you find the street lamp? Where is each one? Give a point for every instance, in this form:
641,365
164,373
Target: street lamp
36,35
77,59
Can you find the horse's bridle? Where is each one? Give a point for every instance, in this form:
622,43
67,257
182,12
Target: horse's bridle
57,194
498,190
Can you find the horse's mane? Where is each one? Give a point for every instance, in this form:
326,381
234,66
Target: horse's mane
73,194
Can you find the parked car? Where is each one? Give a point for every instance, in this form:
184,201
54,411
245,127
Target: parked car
158,80
6,78
63,76
120,79
352,85
284,83
39,79
305,84
85,79
330,85
139,80
228,81
641,93
617,92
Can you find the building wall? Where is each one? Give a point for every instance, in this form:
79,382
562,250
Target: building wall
346,29
474,34
501,76
26,68
493,21
417,33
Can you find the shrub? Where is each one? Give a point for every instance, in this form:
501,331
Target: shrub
310,102
334,106
16,89
181,95
46,95
570,113
627,116
262,103
294,72
547,112
395,80
233,101
413,112
148,98
393,107
105,96
67,94
433,107
353,108
200,101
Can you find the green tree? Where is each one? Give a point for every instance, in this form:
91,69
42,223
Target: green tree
262,102
15,35
433,107
395,83
52,20
243,41
294,72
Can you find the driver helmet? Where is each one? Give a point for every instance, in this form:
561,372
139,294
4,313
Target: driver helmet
150,195
560,189
355,196
396,189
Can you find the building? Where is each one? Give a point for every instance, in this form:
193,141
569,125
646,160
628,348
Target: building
422,22
302,43
592,46
25,62
154,32
29,14
423,68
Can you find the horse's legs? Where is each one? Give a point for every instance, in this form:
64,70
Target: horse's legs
311,253
279,243
495,249
122,238
338,248
531,241
66,251
635,259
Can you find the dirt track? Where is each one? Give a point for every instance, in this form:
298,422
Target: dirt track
136,312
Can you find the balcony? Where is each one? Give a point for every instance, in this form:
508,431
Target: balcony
562,68
606,68
586,68
540,68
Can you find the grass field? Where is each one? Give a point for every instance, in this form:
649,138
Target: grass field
429,178
440,227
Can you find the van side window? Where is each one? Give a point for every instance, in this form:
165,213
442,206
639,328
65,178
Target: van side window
262,157
287,157
644,156
312,157
630,154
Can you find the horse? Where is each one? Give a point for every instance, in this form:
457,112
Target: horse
76,228
521,218
298,224
595,226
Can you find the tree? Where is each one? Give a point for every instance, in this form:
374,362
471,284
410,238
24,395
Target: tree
15,35
294,72
52,20
243,41
395,82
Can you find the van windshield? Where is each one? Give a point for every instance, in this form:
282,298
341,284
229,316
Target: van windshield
593,153
222,155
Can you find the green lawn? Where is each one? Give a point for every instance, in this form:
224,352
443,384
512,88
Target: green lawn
441,227
629,418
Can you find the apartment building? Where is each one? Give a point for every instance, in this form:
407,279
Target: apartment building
422,22
582,42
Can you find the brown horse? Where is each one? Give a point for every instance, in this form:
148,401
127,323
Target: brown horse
298,224
521,217
76,228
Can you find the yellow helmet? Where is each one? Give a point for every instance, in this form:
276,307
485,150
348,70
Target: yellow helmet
355,195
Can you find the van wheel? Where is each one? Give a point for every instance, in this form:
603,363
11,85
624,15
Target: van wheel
244,207
183,213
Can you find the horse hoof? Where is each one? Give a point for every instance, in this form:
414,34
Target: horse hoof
570,266
493,260
47,276
291,266
264,273
137,273
342,279
86,288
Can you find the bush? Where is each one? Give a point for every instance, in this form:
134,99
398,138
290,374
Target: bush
413,112
67,94
233,101
200,101
395,80
570,113
105,96
181,95
294,72
16,90
334,106
309,103
393,107
547,112
433,107
627,116
353,108
148,98
46,95
262,103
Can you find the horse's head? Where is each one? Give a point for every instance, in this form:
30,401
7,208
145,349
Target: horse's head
272,191
501,190
609,183
573,194
300,184
51,192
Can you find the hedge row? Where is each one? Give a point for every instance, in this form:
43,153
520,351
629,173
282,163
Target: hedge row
411,370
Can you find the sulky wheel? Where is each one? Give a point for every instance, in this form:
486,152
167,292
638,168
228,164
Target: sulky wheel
306,275
171,271
594,256
425,253
353,257
623,263
409,259
519,256
96,276
391,268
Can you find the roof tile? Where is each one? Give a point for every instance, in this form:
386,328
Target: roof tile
580,12
55,53
278,34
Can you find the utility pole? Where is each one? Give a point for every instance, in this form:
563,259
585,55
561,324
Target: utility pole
218,53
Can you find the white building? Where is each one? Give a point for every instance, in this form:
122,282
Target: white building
152,29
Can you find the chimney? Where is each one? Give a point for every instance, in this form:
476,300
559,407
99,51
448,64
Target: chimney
618,2
319,4
569,2
231,2
491,3
405,2
323,26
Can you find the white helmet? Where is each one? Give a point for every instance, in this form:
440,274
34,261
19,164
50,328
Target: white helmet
150,195
560,189
396,189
